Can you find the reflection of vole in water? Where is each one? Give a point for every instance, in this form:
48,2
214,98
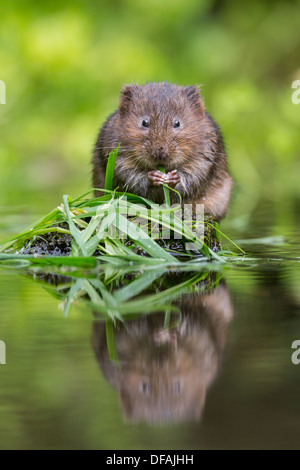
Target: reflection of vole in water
163,124
164,374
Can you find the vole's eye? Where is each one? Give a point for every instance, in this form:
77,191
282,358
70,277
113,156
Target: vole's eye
176,123
146,122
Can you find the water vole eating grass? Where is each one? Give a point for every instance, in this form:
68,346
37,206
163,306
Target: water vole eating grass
160,147
163,124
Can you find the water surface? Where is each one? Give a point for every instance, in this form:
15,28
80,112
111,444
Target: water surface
214,373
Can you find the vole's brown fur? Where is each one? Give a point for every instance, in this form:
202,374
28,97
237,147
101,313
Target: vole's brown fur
164,124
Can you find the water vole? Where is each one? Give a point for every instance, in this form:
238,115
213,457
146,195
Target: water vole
164,124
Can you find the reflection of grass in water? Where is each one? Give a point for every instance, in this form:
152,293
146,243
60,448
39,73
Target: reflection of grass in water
115,296
90,223
118,295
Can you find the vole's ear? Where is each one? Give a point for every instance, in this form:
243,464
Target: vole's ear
126,98
193,93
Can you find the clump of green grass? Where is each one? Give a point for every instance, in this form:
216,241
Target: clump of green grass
102,226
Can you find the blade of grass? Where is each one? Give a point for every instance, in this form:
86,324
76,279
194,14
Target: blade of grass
137,286
110,341
110,169
225,236
85,262
74,231
73,293
111,304
143,239
93,294
165,188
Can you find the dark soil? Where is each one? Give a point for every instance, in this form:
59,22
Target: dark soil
51,243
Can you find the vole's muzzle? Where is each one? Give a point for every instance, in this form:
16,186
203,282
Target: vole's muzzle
160,154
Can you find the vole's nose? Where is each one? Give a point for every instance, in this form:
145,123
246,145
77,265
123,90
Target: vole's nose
160,153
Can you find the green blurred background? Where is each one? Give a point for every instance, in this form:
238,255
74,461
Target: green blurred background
64,64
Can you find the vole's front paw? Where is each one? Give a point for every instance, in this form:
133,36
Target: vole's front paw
172,178
156,177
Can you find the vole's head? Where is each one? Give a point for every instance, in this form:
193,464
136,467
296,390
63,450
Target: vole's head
161,124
